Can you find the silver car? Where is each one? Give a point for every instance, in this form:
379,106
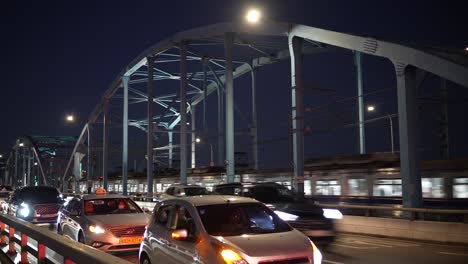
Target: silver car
107,222
222,229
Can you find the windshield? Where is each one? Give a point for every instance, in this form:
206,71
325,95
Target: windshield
38,195
195,191
111,206
238,219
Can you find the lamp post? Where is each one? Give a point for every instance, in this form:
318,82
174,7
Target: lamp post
371,108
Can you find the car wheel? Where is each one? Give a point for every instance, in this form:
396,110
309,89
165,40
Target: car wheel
144,259
81,238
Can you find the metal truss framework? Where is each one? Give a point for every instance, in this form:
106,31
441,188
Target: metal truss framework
195,60
39,158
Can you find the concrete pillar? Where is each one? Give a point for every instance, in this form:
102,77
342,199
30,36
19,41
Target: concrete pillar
220,125
444,123
28,181
358,66
193,135
125,80
205,95
105,142
297,88
407,91
14,180
149,134
229,93
23,167
183,112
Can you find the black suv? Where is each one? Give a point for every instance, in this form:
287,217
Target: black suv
36,204
302,215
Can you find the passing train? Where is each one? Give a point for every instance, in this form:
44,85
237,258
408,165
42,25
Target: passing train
359,178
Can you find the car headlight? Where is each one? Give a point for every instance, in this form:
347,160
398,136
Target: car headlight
231,257
316,254
24,210
96,229
332,213
286,216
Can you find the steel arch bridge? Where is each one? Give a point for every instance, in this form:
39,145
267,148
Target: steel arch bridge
189,67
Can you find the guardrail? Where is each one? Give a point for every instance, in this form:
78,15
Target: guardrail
414,213
71,251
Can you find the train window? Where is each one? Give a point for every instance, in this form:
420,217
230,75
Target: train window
331,187
460,188
387,187
357,187
432,187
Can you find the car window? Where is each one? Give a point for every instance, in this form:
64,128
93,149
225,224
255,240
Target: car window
238,219
183,220
162,216
110,206
195,191
40,194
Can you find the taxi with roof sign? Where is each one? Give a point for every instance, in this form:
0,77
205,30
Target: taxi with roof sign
108,222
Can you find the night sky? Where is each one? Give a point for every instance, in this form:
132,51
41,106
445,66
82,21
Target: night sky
59,57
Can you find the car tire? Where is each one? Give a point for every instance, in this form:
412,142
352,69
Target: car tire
144,259
81,238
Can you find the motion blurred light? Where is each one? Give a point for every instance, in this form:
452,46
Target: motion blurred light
253,16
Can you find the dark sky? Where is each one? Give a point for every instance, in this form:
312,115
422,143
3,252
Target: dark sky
60,56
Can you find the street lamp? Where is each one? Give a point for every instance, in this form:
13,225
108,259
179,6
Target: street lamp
21,144
253,16
371,108
1,156
212,164
70,118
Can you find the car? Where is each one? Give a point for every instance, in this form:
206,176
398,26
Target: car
222,229
35,204
178,190
108,222
5,191
311,219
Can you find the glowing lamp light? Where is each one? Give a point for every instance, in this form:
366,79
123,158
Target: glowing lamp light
70,118
253,16
371,108
466,49
198,140
21,144
286,216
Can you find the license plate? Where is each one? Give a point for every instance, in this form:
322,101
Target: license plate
131,240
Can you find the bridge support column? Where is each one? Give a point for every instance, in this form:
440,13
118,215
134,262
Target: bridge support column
105,142
254,131
23,167
149,135
362,137
407,91
28,181
297,88
14,182
194,135
220,124
170,136
183,112
89,177
125,80
229,93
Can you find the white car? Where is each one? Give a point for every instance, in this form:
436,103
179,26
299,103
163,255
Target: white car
180,190
222,229
108,222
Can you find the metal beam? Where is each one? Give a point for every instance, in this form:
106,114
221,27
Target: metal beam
105,142
297,108
229,93
125,80
149,134
183,112
407,92
358,67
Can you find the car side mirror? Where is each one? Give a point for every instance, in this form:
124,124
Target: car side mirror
180,234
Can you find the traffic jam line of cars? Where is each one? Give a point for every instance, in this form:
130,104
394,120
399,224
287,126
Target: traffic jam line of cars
238,224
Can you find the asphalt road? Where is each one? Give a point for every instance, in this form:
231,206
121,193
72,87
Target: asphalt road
353,249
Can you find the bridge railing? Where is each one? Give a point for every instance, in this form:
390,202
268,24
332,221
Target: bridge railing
69,250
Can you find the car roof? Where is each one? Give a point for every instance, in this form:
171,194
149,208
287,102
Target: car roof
187,186
214,199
